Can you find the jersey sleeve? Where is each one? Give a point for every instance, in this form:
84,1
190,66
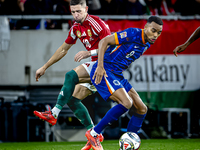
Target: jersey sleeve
106,30
99,27
126,36
71,39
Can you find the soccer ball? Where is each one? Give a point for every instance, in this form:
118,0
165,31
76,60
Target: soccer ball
129,141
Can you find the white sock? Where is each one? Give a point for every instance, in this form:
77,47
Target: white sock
93,133
55,112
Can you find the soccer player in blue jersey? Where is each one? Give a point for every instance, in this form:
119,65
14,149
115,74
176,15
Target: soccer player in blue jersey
106,75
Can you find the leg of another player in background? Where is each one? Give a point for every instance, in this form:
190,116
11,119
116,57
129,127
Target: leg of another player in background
75,104
65,97
78,108
139,109
73,77
81,111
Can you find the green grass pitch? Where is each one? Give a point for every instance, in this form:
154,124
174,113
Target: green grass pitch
153,144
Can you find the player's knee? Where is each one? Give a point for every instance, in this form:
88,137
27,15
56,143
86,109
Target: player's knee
68,75
143,109
81,92
71,76
127,104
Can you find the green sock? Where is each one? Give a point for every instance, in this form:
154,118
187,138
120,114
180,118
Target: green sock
80,112
71,79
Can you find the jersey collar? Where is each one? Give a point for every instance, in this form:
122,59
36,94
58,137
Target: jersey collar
85,19
143,41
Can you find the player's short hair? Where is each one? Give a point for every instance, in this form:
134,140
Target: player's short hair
155,19
78,2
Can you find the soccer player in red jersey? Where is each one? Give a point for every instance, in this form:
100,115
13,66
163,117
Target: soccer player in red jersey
90,30
195,35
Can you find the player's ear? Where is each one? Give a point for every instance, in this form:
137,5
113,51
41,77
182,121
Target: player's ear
86,8
146,26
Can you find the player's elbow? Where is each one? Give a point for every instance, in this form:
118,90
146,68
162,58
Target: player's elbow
63,51
108,40
103,42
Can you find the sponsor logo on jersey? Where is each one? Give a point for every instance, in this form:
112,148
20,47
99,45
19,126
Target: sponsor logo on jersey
116,82
78,33
123,34
89,32
84,34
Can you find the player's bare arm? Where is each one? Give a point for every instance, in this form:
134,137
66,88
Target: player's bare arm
81,55
84,54
60,53
103,44
195,35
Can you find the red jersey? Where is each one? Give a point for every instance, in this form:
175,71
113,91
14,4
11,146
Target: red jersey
90,32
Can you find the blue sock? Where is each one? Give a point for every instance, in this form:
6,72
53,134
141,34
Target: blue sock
112,115
135,123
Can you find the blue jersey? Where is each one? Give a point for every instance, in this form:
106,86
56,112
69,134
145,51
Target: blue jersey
130,45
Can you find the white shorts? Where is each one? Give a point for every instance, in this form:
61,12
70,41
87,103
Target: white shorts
88,68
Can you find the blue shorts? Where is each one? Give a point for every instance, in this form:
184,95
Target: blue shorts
110,84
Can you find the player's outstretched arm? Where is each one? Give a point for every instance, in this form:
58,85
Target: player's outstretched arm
100,71
195,35
60,53
179,49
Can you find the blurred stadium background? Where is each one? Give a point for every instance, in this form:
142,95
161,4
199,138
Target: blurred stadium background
168,85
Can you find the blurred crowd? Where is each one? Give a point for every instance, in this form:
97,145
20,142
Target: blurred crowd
96,7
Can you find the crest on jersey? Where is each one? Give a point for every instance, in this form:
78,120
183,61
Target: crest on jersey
89,32
123,34
78,33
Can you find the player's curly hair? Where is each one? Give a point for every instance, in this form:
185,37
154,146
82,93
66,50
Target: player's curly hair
77,2
155,19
